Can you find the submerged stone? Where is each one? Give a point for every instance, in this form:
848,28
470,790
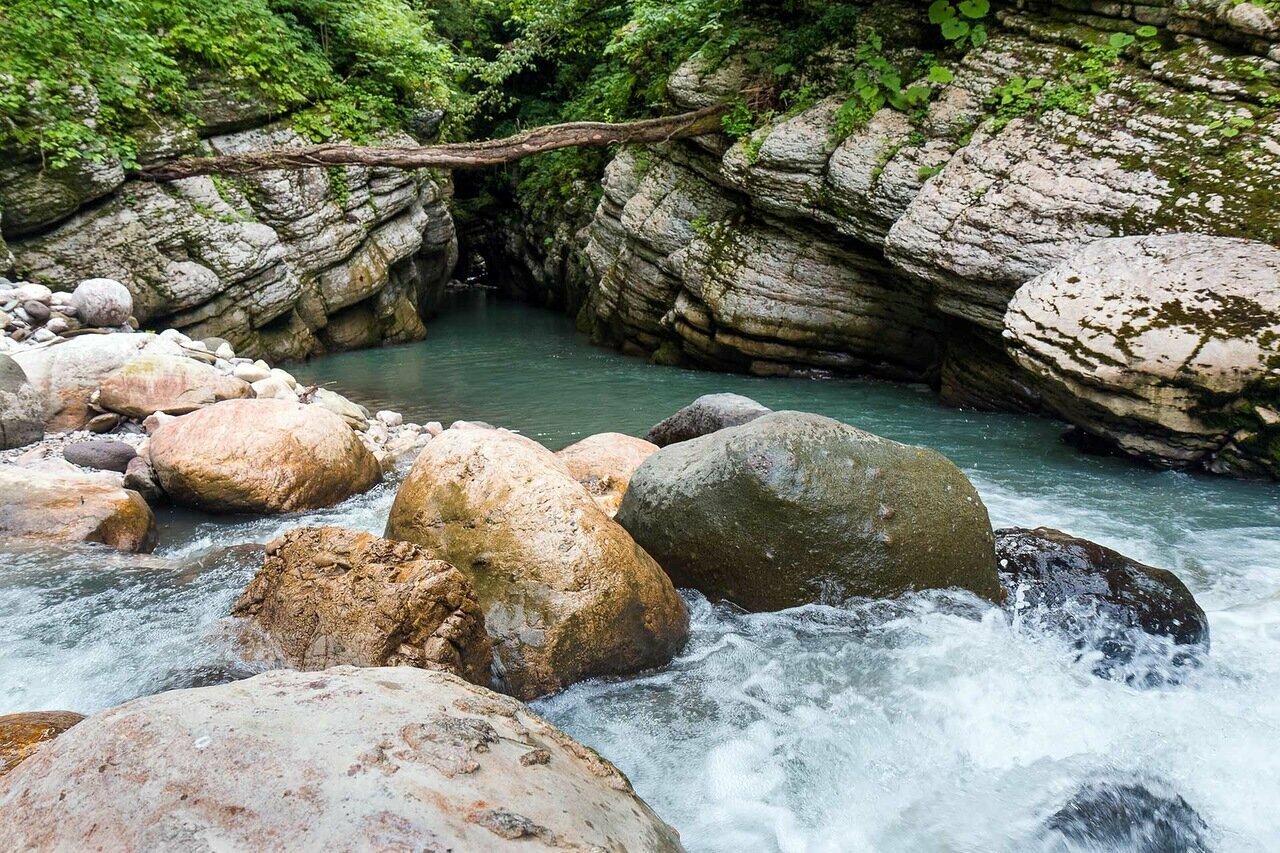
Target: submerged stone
1128,816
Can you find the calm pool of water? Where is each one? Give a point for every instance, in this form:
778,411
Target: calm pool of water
930,724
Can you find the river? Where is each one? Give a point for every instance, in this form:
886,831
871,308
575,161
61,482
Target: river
930,724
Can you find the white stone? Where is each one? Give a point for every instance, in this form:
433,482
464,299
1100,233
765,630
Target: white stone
389,418
250,372
102,302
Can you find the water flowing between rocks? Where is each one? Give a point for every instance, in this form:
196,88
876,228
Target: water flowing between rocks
930,723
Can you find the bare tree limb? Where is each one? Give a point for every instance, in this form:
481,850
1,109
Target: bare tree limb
458,155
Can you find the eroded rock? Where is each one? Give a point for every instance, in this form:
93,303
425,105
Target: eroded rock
173,385
604,463
43,505
708,413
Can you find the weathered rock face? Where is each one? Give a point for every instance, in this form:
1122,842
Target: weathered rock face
261,456
896,250
282,264
708,413
73,508
793,508
21,407
170,384
1168,346
1094,594
604,463
22,734
328,596
567,593
392,758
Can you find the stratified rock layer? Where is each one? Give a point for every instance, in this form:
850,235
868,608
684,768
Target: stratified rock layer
794,508
328,596
381,758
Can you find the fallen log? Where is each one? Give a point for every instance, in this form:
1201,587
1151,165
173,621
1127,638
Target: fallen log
454,155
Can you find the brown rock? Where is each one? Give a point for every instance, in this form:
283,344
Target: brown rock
44,505
328,596
170,384
567,593
22,734
604,464
260,456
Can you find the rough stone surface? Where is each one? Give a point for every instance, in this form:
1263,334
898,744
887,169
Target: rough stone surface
1135,815
21,407
328,596
260,456
101,454
708,413
22,734
67,507
381,758
171,384
1095,594
102,302
793,508
604,464
1167,346
567,593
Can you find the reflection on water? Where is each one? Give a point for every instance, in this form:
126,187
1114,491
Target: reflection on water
931,724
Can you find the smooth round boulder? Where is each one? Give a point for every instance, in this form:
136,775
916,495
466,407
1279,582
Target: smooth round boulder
705,415
42,505
21,407
326,596
794,508
170,384
1096,595
567,593
102,302
262,456
604,463
348,759
22,734
101,454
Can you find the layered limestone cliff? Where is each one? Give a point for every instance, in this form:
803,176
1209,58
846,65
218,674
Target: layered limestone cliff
896,249
281,264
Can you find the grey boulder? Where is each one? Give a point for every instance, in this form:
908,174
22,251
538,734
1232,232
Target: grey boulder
100,454
21,407
102,302
708,413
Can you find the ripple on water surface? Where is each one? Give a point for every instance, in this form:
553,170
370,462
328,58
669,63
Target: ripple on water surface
929,724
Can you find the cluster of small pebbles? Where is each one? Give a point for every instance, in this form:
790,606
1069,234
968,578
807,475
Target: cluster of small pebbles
31,313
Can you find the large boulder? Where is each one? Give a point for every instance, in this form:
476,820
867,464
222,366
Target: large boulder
101,454
328,596
102,302
708,413
73,507
66,374
1164,346
381,758
22,734
261,456
1098,596
604,463
21,407
567,593
793,508
163,383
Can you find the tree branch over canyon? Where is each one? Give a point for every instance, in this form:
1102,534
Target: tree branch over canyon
455,155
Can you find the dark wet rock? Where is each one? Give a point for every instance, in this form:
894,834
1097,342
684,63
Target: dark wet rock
708,413
101,454
141,477
1098,596
793,508
1129,817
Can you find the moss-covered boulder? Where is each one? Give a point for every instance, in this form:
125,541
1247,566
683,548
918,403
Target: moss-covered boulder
567,594
794,508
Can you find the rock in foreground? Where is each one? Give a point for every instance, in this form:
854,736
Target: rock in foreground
794,508
22,734
1165,346
21,407
1098,596
567,593
263,456
42,505
383,759
604,463
705,415
328,596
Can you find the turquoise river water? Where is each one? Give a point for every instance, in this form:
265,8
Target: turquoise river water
934,723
